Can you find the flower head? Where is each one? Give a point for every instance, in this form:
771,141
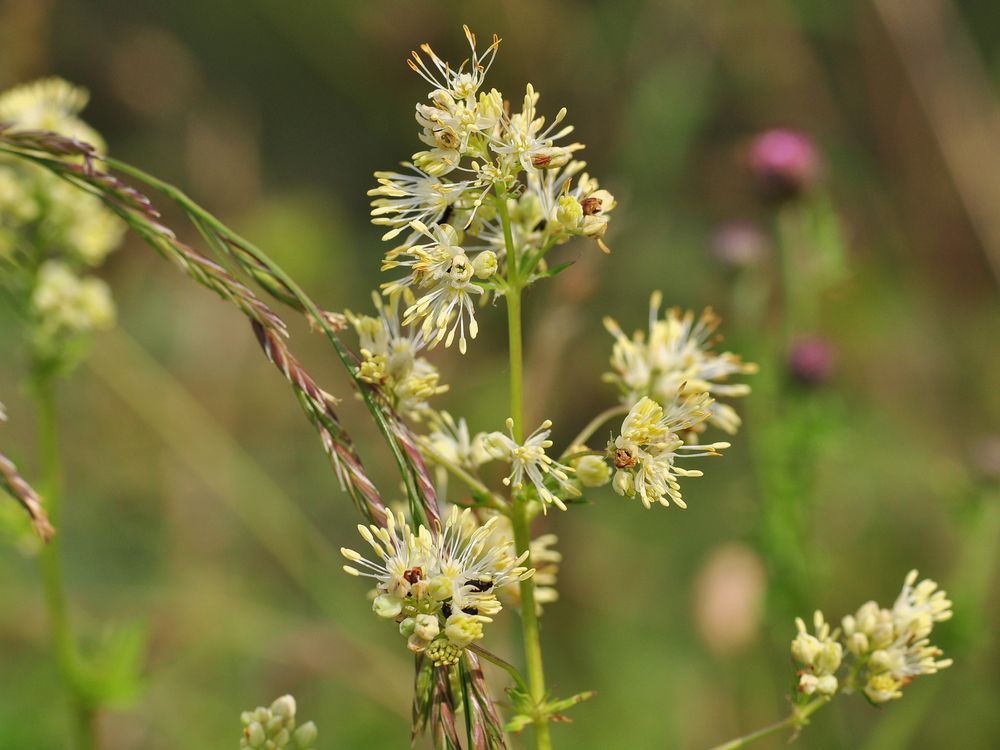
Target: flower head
66,303
441,588
390,358
530,464
490,182
645,451
675,359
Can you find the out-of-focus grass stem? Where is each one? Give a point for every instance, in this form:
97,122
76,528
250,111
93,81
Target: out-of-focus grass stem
64,644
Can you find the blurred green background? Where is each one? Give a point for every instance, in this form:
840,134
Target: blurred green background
201,506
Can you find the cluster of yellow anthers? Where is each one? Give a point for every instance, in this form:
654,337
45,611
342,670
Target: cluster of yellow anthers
486,172
440,588
390,359
882,649
77,230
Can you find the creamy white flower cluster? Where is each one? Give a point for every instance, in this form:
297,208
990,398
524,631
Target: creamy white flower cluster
651,440
883,649
530,465
487,179
532,470
440,588
275,727
390,359
52,233
675,358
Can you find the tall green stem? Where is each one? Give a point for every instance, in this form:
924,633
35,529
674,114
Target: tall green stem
519,514
795,720
60,629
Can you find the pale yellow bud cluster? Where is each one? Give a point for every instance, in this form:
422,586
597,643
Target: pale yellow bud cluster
820,656
884,649
276,728
893,644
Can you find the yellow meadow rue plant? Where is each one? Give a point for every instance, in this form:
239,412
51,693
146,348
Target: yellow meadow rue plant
474,216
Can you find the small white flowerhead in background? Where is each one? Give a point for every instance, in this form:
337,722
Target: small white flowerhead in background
530,465
650,442
674,358
49,104
65,303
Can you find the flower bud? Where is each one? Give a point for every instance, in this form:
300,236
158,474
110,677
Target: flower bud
495,444
826,685
485,264
416,644
426,627
284,707
461,269
569,212
462,629
593,471
857,643
440,588
255,735
305,736
624,483
407,626
387,606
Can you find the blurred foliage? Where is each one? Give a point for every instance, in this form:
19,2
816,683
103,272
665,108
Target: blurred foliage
200,504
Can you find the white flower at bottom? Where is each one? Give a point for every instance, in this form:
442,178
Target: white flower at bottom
529,462
441,588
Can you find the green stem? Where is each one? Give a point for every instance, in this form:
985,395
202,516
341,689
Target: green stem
60,629
519,515
797,719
